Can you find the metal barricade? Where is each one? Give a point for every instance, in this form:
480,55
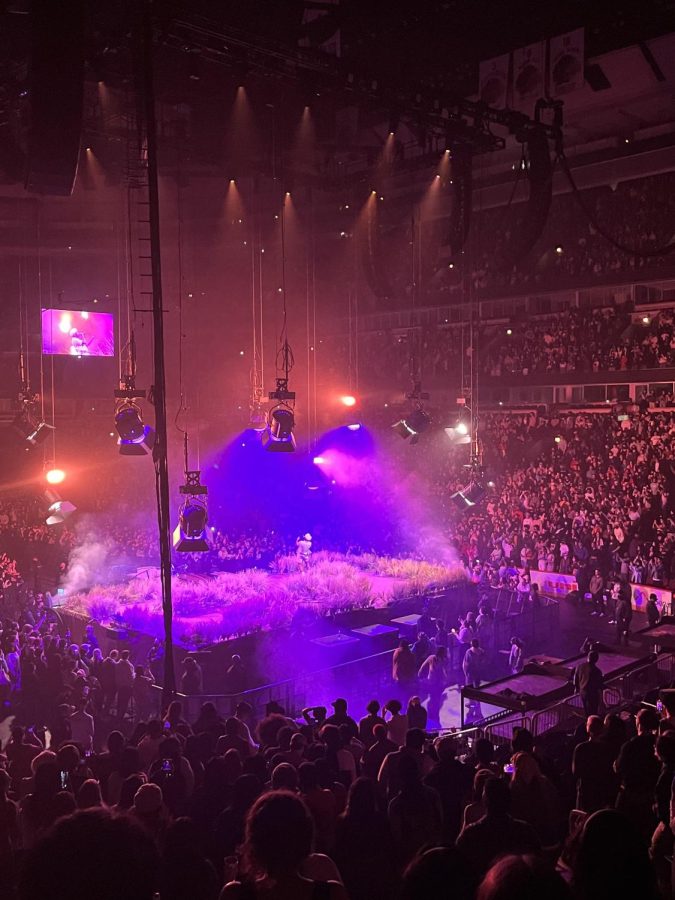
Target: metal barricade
501,732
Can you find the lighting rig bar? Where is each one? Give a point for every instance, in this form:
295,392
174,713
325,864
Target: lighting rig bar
193,486
281,393
129,393
444,112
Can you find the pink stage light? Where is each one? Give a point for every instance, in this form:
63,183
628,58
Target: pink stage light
348,400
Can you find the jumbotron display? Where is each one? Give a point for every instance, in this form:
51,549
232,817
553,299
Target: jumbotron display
66,332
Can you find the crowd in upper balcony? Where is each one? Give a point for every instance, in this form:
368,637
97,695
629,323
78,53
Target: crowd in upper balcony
578,340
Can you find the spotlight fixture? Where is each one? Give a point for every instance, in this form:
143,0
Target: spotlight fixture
58,510
55,476
412,425
192,535
33,432
348,400
456,436
468,496
135,438
279,436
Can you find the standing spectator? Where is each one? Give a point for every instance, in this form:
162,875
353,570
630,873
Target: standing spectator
142,693
472,664
367,723
364,849
624,615
516,656
185,872
589,681
592,767
404,667
375,755
653,614
434,672
637,768
106,677
497,833
278,840
415,812
191,679
596,588
451,779
124,682
417,714
397,724
82,727
341,717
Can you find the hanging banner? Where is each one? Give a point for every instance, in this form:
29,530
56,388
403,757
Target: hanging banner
493,81
528,76
566,63
320,28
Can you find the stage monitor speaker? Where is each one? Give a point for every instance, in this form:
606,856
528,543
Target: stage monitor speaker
56,95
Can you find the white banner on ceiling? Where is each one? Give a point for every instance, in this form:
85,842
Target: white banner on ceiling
493,80
566,63
528,76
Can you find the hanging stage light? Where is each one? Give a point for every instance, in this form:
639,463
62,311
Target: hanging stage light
58,510
191,535
279,437
413,425
461,432
33,432
468,496
135,438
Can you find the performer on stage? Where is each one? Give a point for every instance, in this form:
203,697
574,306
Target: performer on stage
304,549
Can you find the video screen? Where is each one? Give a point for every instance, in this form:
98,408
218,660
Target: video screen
69,333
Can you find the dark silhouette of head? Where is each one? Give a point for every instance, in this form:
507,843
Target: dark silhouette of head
91,854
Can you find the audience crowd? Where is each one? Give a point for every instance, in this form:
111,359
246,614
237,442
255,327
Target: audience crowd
579,340
101,797
574,493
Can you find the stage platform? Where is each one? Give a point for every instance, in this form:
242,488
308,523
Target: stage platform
540,686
